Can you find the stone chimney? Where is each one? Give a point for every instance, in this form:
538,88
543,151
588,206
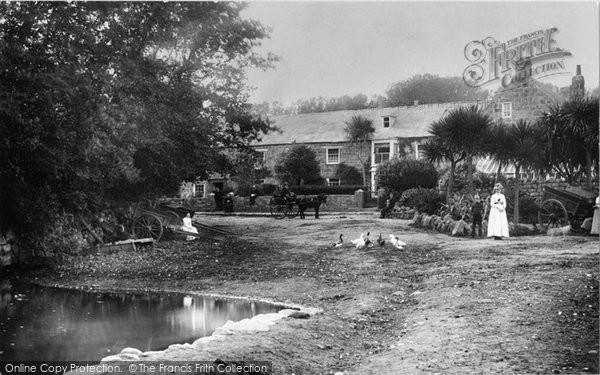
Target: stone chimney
577,85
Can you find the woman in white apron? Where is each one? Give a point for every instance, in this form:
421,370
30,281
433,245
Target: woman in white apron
497,221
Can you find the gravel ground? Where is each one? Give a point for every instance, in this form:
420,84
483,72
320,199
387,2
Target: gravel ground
441,305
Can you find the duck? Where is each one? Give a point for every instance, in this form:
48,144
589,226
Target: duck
339,242
380,241
396,242
361,241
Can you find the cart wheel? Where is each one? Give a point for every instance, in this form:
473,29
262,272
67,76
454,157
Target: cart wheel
147,226
552,214
278,208
292,211
173,218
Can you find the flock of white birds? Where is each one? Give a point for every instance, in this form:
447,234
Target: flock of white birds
365,241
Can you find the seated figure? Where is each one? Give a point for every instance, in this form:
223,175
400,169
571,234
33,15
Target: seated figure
188,227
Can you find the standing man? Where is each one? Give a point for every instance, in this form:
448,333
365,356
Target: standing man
476,214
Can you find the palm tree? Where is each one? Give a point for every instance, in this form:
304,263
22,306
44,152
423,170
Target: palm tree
580,116
499,145
440,149
456,137
358,131
571,133
528,143
473,126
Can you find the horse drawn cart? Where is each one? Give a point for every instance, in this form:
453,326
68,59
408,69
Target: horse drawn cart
291,206
281,207
560,208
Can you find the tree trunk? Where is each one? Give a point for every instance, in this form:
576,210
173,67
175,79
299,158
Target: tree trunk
499,172
588,169
516,205
359,151
450,181
470,174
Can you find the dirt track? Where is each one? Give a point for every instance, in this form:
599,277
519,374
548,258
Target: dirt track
442,305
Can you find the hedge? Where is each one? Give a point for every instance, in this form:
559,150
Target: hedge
329,190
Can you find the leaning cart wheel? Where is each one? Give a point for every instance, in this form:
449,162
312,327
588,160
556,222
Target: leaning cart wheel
173,218
552,214
278,207
292,210
147,226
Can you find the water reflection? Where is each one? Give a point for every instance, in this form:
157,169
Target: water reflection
40,323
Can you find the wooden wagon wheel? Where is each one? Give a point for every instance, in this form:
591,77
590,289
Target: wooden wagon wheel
552,214
173,218
278,207
147,226
292,210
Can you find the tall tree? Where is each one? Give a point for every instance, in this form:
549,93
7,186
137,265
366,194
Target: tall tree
457,136
571,133
475,124
581,120
499,145
298,166
430,88
359,131
528,143
101,100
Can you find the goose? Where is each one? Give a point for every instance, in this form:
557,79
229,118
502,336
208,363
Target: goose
396,242
368,241
339,242
380,241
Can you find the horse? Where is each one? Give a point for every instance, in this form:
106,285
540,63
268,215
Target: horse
313,202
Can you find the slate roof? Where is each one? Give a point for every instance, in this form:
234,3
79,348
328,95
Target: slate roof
405,122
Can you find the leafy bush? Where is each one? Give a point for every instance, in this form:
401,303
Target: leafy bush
348,174
243,190
323,189
483,181
421,199
528,207
267,189
62,237
403,174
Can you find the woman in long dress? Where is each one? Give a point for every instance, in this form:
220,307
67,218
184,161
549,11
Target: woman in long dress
596,221
497,222
188,227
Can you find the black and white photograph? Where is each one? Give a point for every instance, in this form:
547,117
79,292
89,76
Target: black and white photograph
299,187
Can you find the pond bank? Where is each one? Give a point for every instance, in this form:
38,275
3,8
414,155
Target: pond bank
443,304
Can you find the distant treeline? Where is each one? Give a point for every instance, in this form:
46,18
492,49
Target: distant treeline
320,104
422,88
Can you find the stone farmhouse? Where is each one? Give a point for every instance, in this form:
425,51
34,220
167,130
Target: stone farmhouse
399,131
324,134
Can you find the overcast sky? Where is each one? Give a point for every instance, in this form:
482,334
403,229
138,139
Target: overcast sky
346,47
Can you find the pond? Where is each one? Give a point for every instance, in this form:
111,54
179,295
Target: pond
54,324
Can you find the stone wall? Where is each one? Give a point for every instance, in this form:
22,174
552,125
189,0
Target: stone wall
535,188
335,203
